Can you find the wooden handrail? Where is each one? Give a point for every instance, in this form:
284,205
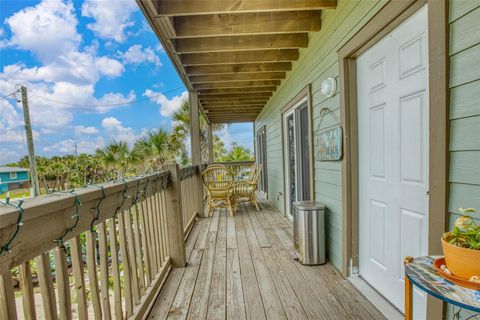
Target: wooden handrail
236,163
134,231
46,217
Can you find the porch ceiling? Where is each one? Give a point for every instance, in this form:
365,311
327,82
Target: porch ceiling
234,53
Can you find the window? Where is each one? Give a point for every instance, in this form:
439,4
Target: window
13,175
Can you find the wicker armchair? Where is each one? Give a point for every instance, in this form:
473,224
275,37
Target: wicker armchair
246,190
219,183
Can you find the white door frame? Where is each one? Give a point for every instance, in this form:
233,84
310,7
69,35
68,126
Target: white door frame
384,21
291,111
393,158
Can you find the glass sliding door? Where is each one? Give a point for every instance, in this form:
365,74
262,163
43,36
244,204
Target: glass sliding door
297,155
262,161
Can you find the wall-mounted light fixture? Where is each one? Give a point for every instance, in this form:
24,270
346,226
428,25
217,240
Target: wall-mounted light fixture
329,87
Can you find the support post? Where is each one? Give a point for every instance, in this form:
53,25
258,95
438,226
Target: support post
196,150
31,152
174,218
211,156
195,128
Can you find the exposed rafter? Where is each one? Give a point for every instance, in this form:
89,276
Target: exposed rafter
239,68
236,84
192,59
234,53
248,42
194,7
238,77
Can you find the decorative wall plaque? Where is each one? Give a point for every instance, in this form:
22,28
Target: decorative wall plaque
328,141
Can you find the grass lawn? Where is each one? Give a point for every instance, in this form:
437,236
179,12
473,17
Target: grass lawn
19,193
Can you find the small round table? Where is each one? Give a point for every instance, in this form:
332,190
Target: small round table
420,272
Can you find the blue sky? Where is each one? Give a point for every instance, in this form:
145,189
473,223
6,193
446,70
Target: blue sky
94,71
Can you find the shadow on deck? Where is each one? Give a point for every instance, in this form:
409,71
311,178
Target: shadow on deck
240,268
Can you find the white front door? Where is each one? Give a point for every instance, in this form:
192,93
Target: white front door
296,155
392,90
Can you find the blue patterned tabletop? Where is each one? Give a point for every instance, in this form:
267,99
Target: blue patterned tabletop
424,276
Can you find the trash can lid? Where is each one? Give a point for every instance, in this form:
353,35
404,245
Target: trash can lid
309,205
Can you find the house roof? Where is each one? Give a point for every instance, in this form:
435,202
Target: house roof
233,53
12,169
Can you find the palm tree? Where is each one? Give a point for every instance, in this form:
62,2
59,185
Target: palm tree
181,128
237,153
155,148
116,156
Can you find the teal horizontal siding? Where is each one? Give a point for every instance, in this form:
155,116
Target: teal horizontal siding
317,62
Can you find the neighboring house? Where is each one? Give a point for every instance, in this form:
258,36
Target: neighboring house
12,178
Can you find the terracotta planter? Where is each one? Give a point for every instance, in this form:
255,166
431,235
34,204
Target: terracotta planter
462,262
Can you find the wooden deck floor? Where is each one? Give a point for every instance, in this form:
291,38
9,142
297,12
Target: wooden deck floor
240,268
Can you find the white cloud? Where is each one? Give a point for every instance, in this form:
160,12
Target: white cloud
116,131
109,67
67,73
137,55
67,146
167,106
9,155
82,130
111,17
11,123
47,29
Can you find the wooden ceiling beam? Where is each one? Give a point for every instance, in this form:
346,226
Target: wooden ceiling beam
236,84
218,114
231,111
234,120
239,68
245,42
195,7
229,57
243,104
238,99
247,23
207,97
235,106
238,77
243,90
229,100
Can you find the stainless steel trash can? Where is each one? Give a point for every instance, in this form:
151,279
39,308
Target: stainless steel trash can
309,232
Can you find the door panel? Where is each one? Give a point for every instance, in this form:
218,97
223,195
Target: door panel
297,155
392,91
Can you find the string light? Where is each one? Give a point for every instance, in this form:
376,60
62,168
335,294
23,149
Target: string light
96,209
7,247
125,197
77,203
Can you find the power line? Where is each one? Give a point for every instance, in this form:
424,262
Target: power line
8,95
104,105
43,140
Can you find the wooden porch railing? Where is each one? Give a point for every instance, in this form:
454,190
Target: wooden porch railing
236,167
191,190
111,245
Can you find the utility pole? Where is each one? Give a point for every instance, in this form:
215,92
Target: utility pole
31,152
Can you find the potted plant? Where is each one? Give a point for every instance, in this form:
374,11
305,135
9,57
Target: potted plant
461,247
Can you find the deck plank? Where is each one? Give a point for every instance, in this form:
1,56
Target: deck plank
253,299
240,268
181,303
235,301
311,304
231,235
271,301
199,302
216,303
